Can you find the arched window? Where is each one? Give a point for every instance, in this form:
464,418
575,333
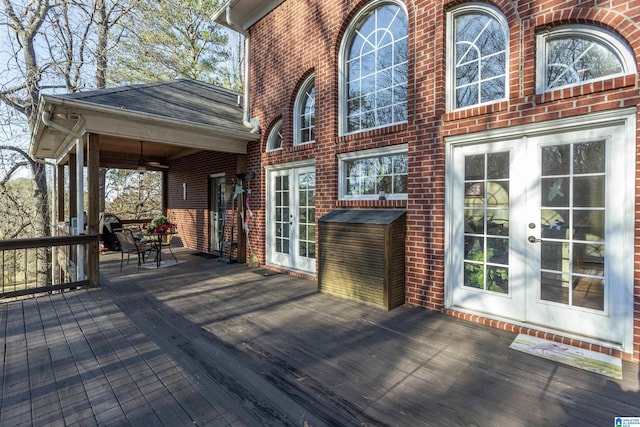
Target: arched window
305,113
477,56
375,68
274,142
575,54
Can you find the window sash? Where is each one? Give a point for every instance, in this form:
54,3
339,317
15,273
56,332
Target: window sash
479,63
576,54
274,142
365,174
375,61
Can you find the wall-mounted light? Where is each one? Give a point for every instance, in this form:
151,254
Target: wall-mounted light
184,191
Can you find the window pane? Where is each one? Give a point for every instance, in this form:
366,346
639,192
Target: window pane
589,191
492,90
573,60
497,165
555,192
474,167
589,157
555,160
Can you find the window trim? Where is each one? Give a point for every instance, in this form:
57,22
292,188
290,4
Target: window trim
273,134
375,152
298,108
618,45
450,88
347,39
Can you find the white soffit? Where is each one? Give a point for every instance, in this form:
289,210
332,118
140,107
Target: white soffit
245,13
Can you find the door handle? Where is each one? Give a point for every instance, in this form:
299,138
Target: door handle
533,239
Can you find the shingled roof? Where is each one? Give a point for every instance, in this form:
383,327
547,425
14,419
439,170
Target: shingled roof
184,113
181,99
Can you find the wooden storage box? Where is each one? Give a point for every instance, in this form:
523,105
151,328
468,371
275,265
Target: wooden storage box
362,255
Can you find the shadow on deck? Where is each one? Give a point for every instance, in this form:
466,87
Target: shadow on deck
208,343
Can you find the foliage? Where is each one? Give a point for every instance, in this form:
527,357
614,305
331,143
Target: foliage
170,39
17,209
475,273
131,195
160,224
58,46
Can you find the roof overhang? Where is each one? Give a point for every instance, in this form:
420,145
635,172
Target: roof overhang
244,13
76,116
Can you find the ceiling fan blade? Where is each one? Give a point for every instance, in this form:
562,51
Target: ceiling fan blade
157,165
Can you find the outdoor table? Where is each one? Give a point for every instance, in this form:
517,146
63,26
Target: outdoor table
156,238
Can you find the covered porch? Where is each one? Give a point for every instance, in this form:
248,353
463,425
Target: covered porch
147,127
208,343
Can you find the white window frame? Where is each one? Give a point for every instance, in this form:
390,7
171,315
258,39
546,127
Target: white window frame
478,8
599,35
276,132
376,152
342,66
299,108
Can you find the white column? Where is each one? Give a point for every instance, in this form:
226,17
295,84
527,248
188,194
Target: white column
80,205
54,222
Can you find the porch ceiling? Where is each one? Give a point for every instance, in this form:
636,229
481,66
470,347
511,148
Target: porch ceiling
171,120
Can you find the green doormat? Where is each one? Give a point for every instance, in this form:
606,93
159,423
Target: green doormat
588,360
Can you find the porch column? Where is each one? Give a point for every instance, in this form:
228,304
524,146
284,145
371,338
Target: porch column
73,188
93,211
60,191
80,205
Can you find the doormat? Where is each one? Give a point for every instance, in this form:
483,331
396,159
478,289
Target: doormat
205,255
265,272
163,264
588,360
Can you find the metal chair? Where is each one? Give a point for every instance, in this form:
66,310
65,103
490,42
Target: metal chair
129,245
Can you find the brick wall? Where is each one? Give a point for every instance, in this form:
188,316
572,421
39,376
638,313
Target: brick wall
300,37
192,214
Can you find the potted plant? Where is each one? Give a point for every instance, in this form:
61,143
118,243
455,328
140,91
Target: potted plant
160,225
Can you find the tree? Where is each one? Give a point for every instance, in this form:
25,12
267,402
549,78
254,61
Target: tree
22,93
170,39
133,195
57,46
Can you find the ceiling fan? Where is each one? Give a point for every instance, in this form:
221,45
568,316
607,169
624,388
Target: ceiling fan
144,164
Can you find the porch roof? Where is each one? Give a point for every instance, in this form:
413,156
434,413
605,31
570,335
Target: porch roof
172,118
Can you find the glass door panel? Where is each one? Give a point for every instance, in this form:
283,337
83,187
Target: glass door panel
486,222
572,224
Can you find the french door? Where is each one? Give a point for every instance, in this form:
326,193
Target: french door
291,219
539,231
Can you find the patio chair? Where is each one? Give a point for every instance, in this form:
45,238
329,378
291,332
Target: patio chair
129,245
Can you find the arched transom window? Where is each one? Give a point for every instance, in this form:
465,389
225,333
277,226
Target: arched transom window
375,68
274,141
305,113
477,56
576,54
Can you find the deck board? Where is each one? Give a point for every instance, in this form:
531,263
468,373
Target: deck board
206,343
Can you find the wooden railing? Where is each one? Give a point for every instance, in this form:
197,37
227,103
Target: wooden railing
27,264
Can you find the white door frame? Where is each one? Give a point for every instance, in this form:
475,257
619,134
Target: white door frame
621,302
214,220
291,261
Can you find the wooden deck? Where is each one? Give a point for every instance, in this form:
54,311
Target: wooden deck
207,343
